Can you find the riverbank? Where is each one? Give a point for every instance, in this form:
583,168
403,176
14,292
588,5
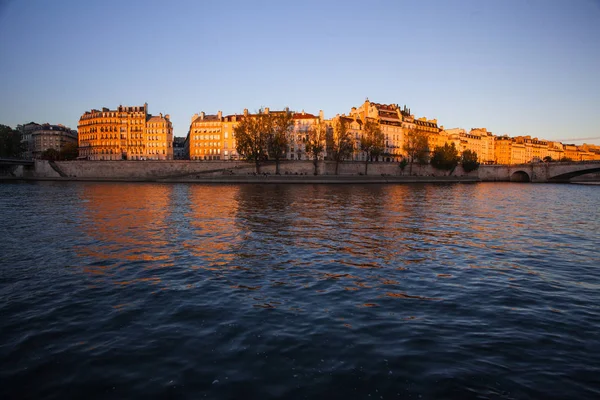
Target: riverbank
266,179
291,172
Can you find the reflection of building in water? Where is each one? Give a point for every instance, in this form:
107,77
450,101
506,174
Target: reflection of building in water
212,230
127,222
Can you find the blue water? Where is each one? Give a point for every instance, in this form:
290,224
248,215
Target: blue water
117,290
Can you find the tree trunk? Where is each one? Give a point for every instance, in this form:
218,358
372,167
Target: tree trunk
277,166
337,163
316,164
366,165
257,164
410,168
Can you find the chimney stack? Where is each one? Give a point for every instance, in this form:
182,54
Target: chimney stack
202,115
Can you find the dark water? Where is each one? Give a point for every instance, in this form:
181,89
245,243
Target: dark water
258,292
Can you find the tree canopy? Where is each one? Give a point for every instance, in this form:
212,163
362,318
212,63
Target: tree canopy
372,141
469,161
278,136
341,145
69,151
445,157
416,146
315,142
251,137
10,142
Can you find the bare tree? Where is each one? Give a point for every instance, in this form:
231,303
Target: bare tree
416,146
372,141
315,142
340,143
251,137
281,125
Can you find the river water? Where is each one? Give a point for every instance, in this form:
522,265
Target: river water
123,290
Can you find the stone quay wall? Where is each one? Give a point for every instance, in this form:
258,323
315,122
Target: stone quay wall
193,170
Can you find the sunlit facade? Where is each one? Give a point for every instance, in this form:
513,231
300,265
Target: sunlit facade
394,122
127,133
211,137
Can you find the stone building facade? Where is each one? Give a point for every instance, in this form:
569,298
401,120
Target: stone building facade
126,133
37,138
211,137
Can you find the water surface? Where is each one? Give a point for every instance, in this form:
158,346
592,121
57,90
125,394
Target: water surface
115,290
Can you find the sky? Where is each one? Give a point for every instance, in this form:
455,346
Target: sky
515,67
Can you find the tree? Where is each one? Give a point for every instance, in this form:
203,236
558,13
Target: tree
548,159
341,142
314,142
372,141
51,155
10,142
416,146
278,137
251,137
445,157
469,161
69,151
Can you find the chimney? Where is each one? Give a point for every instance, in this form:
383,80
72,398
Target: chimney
167,116
266,110
202,115
194,117
303,112
160,114
245,112
219,115
321,115
287,109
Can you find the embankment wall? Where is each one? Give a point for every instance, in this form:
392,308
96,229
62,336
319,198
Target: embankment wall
178,170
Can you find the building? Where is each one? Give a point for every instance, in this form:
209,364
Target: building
37,138
212,136
477,140
127,133
395,122
179,148
303,123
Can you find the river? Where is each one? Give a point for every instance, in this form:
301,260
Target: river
139,290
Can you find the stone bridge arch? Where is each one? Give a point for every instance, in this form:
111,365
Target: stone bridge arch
520,176
566,177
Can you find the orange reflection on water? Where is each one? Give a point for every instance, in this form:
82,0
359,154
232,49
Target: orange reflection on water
211,211
124,224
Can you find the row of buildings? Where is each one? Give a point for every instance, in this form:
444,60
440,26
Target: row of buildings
132,133
211,137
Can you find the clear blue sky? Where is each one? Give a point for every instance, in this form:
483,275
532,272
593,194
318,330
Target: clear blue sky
517,67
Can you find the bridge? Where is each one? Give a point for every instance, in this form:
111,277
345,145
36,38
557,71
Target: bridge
538,172
12,167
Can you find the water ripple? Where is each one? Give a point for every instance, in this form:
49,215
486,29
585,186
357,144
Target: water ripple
285,291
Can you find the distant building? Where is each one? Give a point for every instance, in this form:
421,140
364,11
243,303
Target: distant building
127,133
179,148
37,138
